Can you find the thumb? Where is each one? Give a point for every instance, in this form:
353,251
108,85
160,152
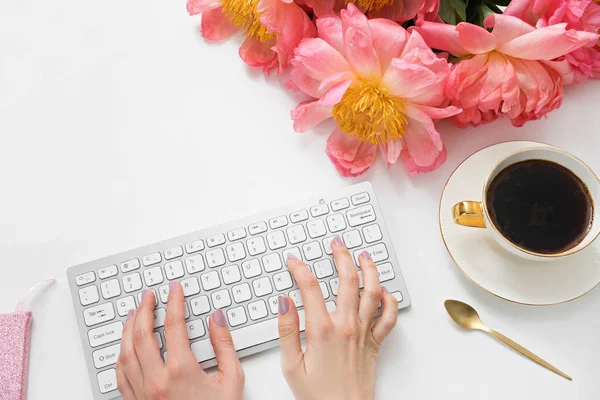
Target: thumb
222,343
289,336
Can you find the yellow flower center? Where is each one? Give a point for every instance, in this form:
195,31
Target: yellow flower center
370,113
243,14
371,5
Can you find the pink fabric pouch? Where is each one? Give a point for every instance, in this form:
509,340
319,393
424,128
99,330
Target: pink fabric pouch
15,337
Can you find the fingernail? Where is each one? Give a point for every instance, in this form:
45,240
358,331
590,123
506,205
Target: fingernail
172,285
384,290
130,313
145,294
365,254
284,306
292,257
337,241
219,317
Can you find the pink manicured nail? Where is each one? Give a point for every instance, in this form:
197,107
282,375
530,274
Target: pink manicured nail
283,304
384,290
292,257
172,285
219,317
337,241
365,254
145,294
130,313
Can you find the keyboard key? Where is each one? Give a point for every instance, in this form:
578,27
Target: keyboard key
86,278
298,216
194,246
132,282
215,258
257,310
262,286
107,380
174,270
282,280
274,304
378,253
130,265
98,314
361,215
237,316
360,198
215,240
323,269
231,274
257,228
276,240
200,305
256,246
106,356
386,272
336,223
110,289
398,296
293,251
352,239
155,297
271,262
327,244
221,299
235,252
316,228
124,305
297,297
296,234
153,276
151,259
241,293
194,264
312,251
173,252
163,293
105,334
159,317
159,340
251,268
324,290
190,286
108,272
372,233
195,329
319,210
236,234
340,204
335,284
88,295
210,280
278,222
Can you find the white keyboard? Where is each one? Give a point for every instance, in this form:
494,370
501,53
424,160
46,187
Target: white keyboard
238,267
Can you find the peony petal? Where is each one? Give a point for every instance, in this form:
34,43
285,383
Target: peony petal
414,169
475,39
407,80
195,7
258,54
215,25
335,93
358,43
309,114
422,142
437,113
506,27
389,39
391,151
350,156
440,36
330,30
319,60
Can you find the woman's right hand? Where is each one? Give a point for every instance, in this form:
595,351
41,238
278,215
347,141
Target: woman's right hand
341,347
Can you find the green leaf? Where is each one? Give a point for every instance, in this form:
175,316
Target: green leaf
453,11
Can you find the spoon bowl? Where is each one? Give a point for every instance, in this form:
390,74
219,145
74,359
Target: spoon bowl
464,315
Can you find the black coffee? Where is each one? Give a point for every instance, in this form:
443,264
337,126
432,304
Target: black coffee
540,206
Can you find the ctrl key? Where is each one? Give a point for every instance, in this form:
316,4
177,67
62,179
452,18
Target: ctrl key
107,380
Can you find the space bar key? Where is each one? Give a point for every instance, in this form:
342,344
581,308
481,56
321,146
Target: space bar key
249,336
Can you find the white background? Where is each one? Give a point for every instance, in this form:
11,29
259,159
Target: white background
120,127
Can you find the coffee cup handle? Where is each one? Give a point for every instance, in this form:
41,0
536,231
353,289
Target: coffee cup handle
469,213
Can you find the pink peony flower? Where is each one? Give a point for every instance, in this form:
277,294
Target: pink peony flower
273,28
395,10
505,72
582,15
380,84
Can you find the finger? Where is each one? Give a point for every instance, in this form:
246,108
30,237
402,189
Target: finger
222,343
312,297
144,341
347,299
178,344
371,296
289,337
128,363
124,386
389,316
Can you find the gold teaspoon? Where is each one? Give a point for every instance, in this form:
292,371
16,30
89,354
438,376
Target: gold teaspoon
466,317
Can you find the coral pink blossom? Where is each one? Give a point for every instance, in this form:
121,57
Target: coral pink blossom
581,15
504,72
273,28
395,10
380,84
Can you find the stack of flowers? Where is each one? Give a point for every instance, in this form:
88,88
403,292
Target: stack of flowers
387,70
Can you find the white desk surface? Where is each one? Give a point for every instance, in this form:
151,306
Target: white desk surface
120,127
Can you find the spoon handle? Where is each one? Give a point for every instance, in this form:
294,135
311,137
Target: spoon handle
527,353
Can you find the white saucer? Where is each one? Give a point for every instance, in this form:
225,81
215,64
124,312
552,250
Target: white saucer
494,269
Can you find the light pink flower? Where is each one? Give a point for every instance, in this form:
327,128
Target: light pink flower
273,28
581,15
504,72
381,85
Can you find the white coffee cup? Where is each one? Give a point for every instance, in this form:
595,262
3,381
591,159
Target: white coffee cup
476,214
